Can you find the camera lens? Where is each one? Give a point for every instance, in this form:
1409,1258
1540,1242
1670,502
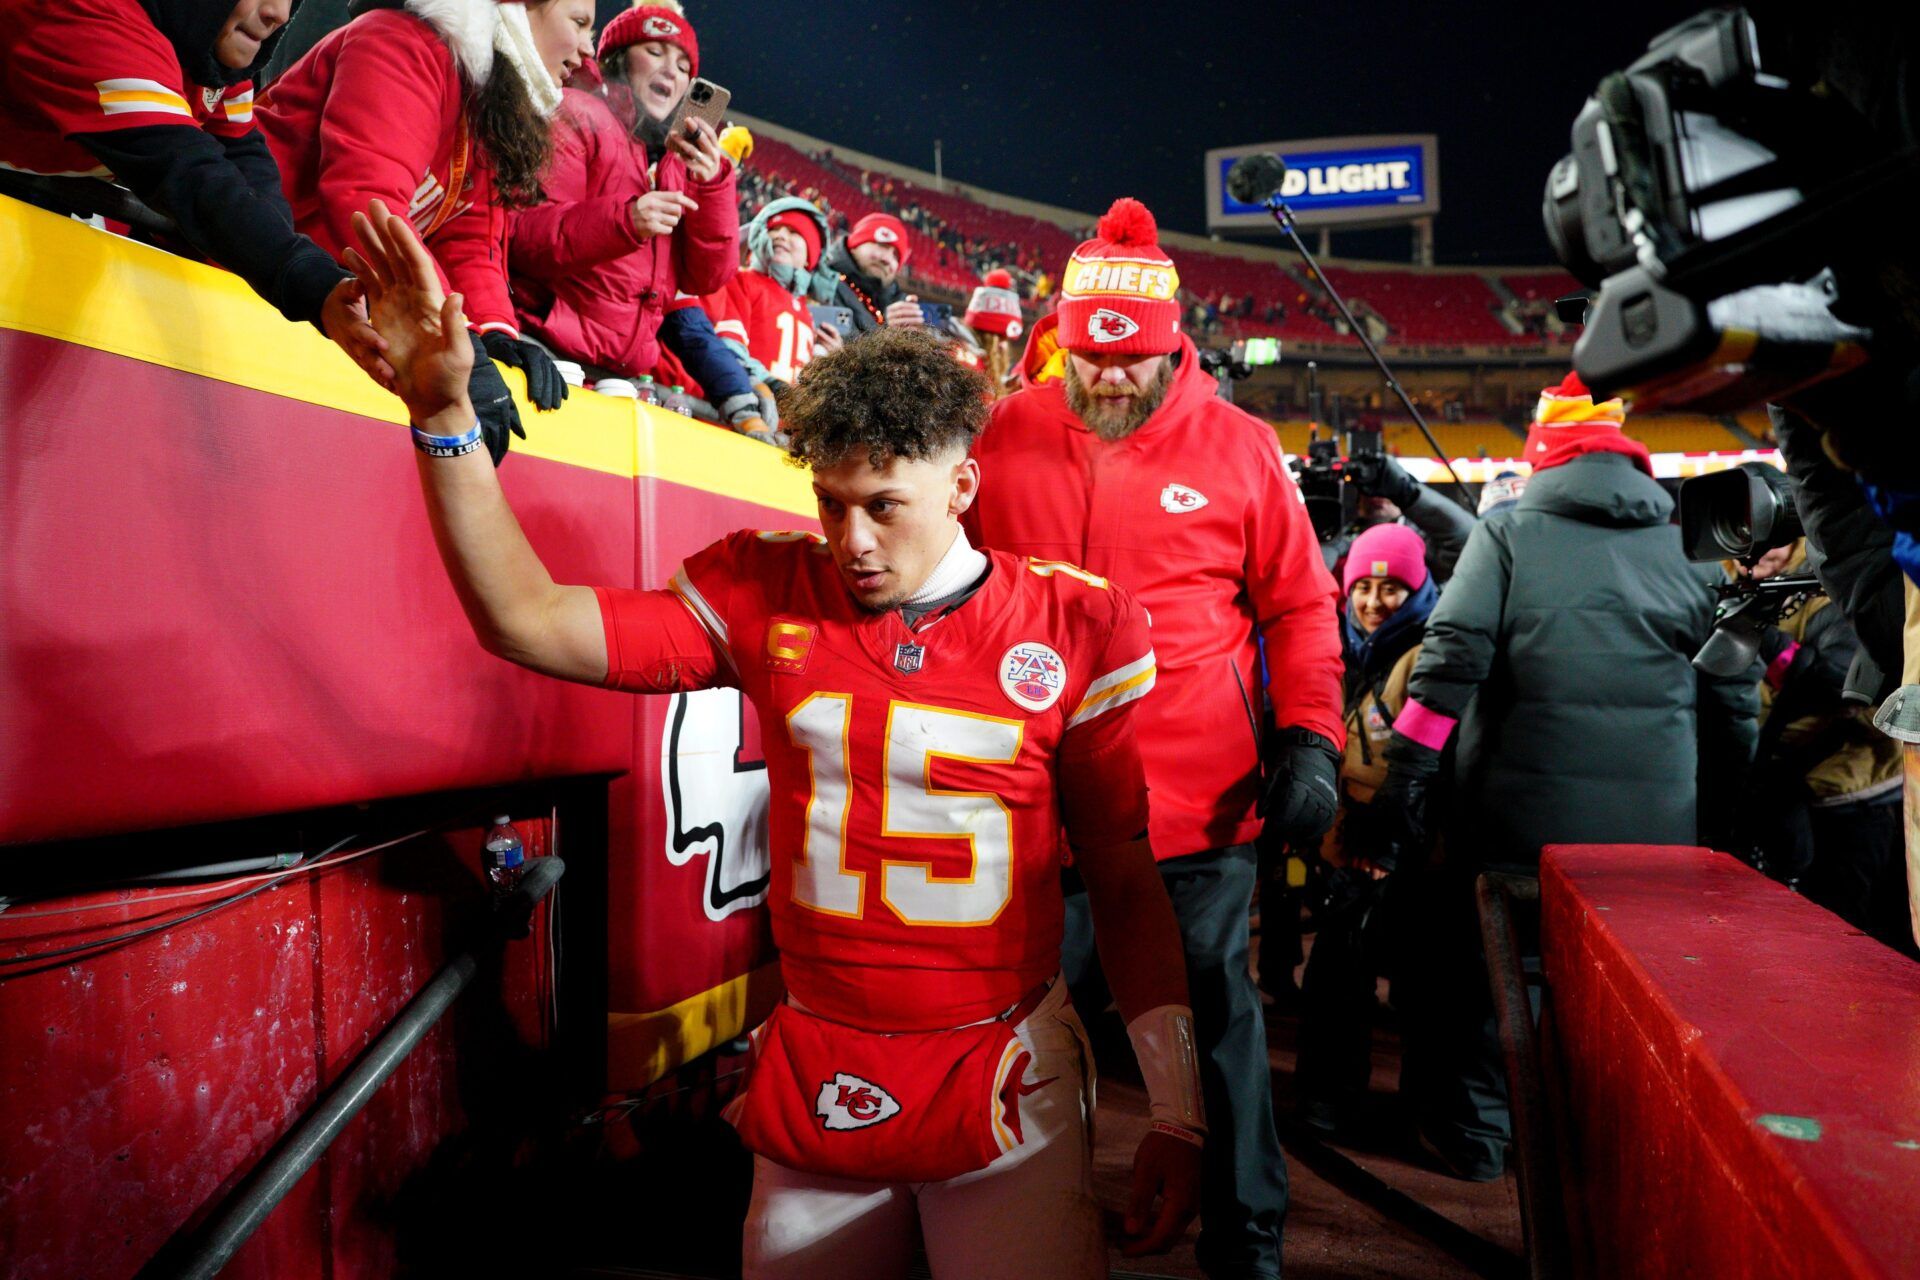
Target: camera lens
1560,210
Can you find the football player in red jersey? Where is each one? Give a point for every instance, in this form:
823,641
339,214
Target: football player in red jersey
936,718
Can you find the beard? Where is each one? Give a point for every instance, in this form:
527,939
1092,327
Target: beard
1115,417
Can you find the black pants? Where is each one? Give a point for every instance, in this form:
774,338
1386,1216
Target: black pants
1336,1020
1244,1183
1859,867
1451,1071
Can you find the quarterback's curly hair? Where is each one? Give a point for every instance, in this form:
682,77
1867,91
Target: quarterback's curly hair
891,393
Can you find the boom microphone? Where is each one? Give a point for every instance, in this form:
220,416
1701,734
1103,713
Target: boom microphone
1255,177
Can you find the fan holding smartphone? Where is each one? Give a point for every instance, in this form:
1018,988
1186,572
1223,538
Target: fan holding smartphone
868,261
640,218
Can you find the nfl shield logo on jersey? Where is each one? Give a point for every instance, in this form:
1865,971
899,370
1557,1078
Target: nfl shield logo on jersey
907,658
848,1102
1033,675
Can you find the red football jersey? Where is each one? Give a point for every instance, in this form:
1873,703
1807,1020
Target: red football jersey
920,779
775,326
89,66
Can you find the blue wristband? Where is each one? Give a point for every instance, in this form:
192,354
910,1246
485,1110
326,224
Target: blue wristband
447,446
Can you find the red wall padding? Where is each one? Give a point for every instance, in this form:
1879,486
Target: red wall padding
1701,1011
140,1085
217,603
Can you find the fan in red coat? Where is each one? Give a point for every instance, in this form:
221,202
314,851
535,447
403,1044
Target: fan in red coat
934,719
1133,467
630,219
394,106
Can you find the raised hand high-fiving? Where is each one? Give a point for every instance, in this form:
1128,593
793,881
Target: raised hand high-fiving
427,344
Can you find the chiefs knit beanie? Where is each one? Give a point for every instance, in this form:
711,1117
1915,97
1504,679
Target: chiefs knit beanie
1118,291
880,228
995,307
1386,551
1567,423
646,23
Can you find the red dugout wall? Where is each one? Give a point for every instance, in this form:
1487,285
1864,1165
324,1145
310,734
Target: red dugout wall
219,599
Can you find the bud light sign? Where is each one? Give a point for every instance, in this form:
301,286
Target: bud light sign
1335,180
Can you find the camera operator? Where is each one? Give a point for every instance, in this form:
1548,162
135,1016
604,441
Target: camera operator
1389,495
1823,813
1849,549
1830,781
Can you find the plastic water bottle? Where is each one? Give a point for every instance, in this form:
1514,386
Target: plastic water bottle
504,856
644,391
677,401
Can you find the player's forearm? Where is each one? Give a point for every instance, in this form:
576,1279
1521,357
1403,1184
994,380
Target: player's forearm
1135,930
502,585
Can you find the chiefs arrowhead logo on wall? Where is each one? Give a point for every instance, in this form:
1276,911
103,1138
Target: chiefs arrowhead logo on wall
848,1102
1108,325
713,780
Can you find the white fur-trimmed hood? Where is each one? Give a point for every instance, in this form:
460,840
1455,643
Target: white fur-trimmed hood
468,27
477,30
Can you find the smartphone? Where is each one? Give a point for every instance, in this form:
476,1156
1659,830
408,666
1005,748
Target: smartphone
704,100
841,318
936,314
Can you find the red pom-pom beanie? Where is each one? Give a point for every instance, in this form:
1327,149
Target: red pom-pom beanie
1119,291
645,23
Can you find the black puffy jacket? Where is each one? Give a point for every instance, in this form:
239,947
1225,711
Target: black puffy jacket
1564,646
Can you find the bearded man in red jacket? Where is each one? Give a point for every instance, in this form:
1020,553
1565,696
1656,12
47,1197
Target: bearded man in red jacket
1133,468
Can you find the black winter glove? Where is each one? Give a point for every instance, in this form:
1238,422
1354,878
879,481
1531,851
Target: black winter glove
545,387
1399,808
1379,476
492,402
1303,787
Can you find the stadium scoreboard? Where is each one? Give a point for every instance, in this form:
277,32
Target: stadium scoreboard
1335,182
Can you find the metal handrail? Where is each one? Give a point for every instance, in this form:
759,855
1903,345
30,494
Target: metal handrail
268,1184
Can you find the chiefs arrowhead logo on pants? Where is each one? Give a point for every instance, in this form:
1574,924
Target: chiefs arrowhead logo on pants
848,1102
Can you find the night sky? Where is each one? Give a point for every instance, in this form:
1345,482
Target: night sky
1077,103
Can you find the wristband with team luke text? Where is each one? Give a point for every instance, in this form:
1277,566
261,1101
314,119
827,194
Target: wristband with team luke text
447,446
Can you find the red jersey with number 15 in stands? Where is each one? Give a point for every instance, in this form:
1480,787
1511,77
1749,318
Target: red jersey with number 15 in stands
920,779
773,325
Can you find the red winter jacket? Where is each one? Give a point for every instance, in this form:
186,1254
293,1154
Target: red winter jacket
583,279
374,110
1196,514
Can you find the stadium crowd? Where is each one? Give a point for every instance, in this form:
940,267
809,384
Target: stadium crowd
446,187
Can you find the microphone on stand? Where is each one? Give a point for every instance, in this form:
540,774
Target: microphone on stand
1255,177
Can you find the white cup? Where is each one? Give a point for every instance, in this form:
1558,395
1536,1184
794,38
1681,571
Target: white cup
575,376
617,387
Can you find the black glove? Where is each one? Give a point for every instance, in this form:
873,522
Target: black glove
1379,476
545,387
1303,787
492,402
1398,814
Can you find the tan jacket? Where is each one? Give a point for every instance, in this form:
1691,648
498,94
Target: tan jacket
1863,762
1364,767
